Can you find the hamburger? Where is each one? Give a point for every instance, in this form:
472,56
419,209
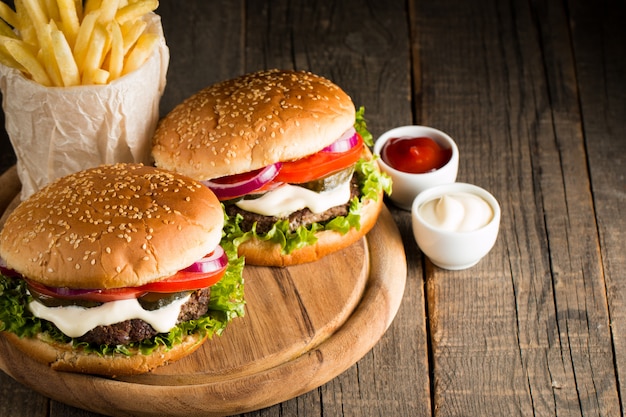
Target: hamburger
117,270
288,156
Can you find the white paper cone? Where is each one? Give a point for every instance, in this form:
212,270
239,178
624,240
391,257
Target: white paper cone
56,131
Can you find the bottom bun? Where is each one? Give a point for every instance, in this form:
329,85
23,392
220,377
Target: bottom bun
265,253
63,357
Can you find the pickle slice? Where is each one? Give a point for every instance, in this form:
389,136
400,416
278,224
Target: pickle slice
329,182
153,301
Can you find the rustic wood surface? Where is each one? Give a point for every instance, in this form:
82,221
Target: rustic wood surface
535,95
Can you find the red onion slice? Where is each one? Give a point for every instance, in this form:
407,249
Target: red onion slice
71,293
64,292
212,262
241,184
346,142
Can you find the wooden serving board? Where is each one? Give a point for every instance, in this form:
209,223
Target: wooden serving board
304,325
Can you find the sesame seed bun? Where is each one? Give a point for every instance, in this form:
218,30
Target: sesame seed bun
252,121
113,226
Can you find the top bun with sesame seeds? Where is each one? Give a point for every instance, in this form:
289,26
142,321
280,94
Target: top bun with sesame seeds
249,122
113,226
112,271
287,154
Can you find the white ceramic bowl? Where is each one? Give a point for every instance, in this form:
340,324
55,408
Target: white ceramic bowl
407,186
452,249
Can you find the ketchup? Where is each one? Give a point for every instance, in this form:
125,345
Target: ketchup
415,155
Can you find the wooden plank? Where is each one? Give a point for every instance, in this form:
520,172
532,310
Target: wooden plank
364,48
600,65
19,401
463,76
526,330
206,45
578,278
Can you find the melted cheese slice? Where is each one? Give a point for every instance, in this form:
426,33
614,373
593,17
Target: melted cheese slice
288,198
75,321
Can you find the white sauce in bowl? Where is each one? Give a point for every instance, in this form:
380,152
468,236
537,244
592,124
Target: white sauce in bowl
457,212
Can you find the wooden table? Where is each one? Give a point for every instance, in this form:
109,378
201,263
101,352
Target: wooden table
534,93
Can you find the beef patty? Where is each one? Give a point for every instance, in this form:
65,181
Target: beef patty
136,330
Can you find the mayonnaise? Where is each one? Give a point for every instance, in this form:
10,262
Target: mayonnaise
458,212
288,198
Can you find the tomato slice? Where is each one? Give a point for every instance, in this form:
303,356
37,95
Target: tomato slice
185,280
181,281
319,165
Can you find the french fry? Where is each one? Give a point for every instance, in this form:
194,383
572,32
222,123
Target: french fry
37,16
26,27
70,23
116,53
131,31
108,9
83,38
135,10
96,76
78,5
51,8
95,53
6,58
8,15
25,57
47,55
141,52
64,59
5,30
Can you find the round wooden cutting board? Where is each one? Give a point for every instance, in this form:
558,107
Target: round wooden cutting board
304,325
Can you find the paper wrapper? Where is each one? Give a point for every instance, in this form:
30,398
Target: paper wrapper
56,131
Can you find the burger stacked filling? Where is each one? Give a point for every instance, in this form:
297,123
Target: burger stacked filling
122,259
324,191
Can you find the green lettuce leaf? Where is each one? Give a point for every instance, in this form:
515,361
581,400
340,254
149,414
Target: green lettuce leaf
360,124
